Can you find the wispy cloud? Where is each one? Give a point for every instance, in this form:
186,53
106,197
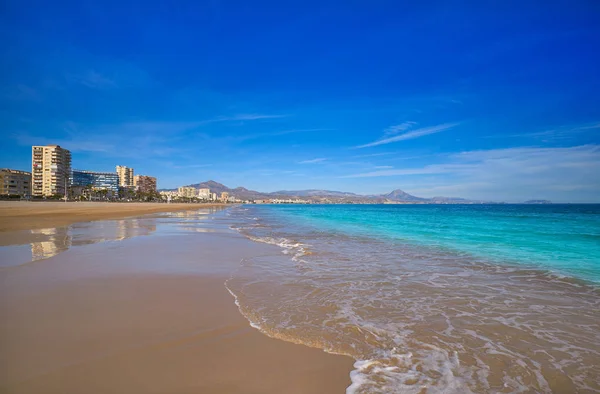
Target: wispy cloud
375,155
93,79
393,130
239,117
313,161
23,92
559,133
383,167
512,174
411,135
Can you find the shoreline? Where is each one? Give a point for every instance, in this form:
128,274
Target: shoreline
147,314
24,215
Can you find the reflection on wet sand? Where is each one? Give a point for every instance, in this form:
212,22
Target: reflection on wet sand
134,227
49,242
56,240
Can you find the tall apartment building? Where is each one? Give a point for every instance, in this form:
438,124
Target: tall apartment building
50,170
125,176
144,183
187,191
15,182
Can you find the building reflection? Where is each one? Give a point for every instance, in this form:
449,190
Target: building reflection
55,241
133,228
49,242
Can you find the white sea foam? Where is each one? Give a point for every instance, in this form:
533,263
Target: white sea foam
416,317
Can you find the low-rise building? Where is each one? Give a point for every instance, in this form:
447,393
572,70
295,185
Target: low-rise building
224,196
15,182
96,180
144,183
187,192
204,194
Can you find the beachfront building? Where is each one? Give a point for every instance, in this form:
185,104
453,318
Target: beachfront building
144,183
96,180
224,196
125,176
213,197
168,195
15,182
204,194
187,192
50,170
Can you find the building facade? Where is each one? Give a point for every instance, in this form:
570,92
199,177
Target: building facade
224,196
50,170
144,183
204,194
15,182
96,180
125,176
187,192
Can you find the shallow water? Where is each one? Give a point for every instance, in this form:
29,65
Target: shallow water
443,298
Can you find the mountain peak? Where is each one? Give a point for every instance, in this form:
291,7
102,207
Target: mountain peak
401,195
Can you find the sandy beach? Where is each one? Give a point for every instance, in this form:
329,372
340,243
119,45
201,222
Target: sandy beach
23,215
142,313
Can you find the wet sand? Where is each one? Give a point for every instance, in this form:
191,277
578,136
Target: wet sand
24,215
148,314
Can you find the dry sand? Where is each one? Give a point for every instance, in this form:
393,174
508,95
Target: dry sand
24,215
148,314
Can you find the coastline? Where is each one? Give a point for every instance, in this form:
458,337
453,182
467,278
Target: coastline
147,314
24,215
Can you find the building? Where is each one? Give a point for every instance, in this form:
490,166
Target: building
224,196
187,192
204,194
15,182
213,197
125,176
50,170
168,195
144,183
96,180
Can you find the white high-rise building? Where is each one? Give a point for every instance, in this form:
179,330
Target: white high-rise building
50,170
125,176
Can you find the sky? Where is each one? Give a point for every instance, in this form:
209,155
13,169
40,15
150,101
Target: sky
475,99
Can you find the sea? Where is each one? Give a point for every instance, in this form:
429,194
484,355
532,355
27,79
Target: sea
432,298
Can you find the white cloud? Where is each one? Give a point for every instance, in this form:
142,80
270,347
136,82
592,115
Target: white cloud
313,161
393,130
513,174
410,135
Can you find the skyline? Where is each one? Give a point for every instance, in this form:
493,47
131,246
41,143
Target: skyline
493,103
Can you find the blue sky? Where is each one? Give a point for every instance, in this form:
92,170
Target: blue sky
488,100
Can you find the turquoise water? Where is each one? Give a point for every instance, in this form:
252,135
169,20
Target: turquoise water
447,298
561,238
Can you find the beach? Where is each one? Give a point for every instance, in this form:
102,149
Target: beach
23,215
137,304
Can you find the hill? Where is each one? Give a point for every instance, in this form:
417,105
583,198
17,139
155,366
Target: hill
318,195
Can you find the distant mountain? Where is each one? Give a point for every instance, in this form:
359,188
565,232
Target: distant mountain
317,195
314,192
538,202
400,195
